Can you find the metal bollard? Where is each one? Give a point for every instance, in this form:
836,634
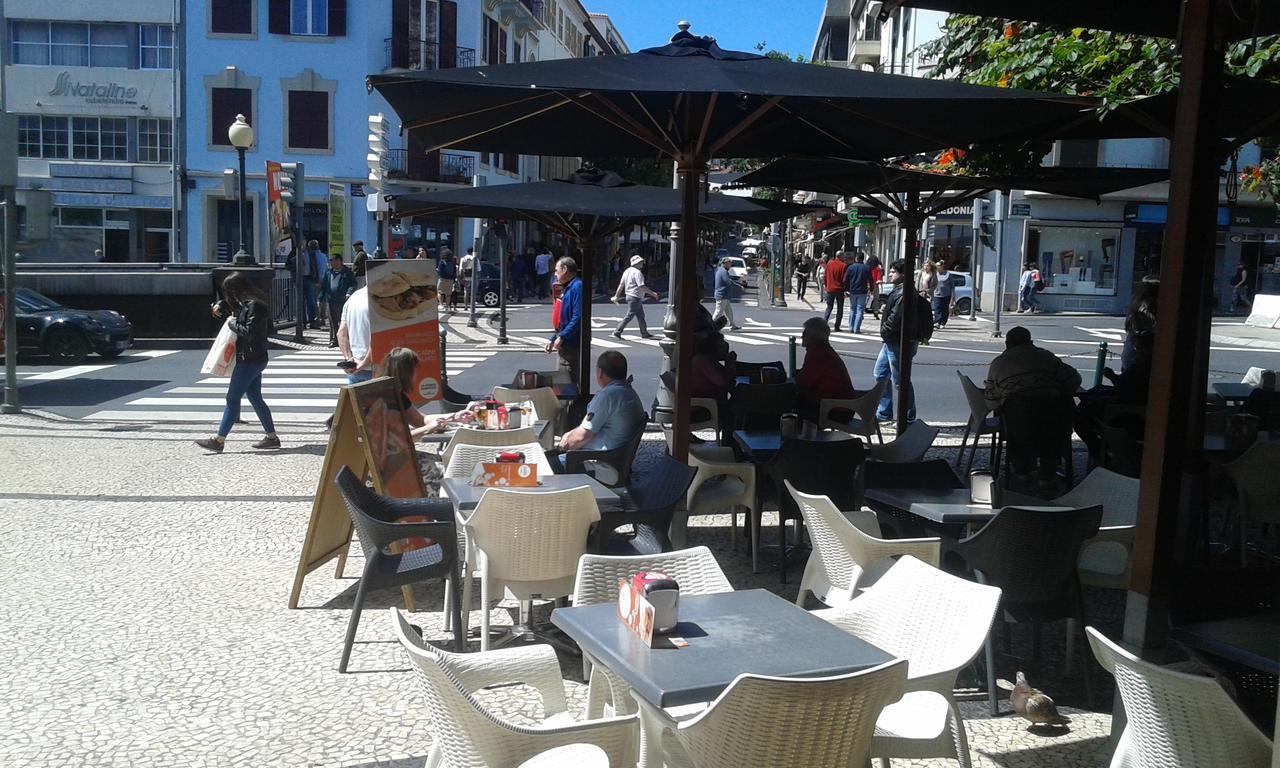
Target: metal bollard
791,356
444,358
1102,363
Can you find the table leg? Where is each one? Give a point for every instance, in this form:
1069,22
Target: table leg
652,724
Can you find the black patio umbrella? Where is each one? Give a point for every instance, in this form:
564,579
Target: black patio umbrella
586,207
912,195
1154,18
691,101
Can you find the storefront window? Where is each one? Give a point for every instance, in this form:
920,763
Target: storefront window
951,244
1073,259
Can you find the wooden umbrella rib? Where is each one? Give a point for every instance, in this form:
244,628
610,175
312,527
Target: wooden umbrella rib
744,124
619,119
706,123
657,126
455,141
464,115
936,141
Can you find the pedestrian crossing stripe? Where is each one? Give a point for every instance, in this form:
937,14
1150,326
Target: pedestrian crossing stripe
607,344
748,340
209,416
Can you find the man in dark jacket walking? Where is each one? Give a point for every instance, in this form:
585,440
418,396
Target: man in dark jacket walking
887,364
338,284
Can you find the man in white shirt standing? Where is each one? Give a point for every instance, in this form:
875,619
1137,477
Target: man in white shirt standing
542,270
634,288
354,337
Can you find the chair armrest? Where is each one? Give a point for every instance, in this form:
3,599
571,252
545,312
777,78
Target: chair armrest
442,532
928,550
389,510
708,470
573,460
1120,534
619,737
533,665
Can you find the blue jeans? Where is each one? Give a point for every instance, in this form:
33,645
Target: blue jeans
887,368
857,310
835,299
1027,298
941,309
246,381
309,297
359,376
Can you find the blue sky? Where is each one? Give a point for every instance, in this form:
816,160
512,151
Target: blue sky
784,25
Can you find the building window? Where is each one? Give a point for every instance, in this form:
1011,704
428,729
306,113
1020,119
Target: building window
80,217
308,120
155,46
94,138
491,32
44,137
67,44
109,45
231,17
309,17
1077,260
226,103
155,140
517,55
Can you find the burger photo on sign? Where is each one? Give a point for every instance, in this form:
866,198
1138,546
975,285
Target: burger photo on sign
401,296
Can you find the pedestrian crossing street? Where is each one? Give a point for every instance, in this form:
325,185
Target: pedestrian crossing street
300,386
73,371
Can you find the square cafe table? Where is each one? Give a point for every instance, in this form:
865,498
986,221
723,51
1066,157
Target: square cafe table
728,634
947,505
1233,392
760,445
466,496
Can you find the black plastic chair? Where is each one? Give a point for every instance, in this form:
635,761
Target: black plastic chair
826,467
1031,555
374,518
650,501
934,473
759,406
617,460
1040,427
1266,406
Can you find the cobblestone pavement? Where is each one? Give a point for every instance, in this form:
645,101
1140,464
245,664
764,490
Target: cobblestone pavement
147,623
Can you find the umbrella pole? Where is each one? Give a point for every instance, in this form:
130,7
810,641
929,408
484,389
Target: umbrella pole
911,220
585,366
690,170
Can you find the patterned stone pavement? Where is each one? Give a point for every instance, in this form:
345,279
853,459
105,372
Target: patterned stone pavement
146,590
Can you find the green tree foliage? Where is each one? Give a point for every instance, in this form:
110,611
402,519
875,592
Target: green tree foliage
638,170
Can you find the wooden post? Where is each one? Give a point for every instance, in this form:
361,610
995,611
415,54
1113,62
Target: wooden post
586,366
690,170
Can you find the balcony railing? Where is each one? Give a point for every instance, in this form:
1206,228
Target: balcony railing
403,53
445,167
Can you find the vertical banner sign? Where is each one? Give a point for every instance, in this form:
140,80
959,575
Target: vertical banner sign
337,219
403,308
277,215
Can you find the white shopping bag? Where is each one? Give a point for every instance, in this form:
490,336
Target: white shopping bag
222,356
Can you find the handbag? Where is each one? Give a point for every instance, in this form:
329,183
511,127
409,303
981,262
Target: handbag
222,355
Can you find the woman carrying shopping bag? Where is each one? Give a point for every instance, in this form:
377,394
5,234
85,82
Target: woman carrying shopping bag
249,311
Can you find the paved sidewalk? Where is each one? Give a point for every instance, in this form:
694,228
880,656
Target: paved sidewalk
147,620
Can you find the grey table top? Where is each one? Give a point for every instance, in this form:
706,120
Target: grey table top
947,505
1233,390
759,444
466,496
1253,641
728,633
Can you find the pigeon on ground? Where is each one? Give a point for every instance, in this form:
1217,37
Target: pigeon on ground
1033,705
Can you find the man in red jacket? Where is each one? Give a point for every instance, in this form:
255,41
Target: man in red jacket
823,374
833,284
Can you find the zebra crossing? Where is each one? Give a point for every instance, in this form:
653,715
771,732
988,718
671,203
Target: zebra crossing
300,386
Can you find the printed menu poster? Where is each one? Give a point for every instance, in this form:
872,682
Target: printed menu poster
277,215
403,313
389,440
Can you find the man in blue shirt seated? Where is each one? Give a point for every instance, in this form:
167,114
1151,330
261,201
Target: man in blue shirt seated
614,415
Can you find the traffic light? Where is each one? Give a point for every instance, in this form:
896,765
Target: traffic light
292,184
987,234
378,162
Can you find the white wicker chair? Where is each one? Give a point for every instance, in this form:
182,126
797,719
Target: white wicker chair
980,423
1177,719
528,544
1104,559
489,438
464,458
863,406
468,735
694,569
848,551
546,406
822,722
1254,488
938,623
722,484
910,446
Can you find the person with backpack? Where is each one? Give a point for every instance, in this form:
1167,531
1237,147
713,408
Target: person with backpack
1028,285
887,363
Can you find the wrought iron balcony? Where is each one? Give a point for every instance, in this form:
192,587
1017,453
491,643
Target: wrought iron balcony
405,53
445,167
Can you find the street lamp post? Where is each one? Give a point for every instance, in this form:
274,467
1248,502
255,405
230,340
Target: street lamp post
241,135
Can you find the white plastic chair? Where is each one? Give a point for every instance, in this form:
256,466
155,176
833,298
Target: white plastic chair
1254,483
464,458
528,545
1175,718
980,423
486,437
907,447
466,734
849,551
694,569
938,623
546,406
822,722
863,406
722,484
1104,559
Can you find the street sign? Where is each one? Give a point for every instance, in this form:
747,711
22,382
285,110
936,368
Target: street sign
357,190
1020,209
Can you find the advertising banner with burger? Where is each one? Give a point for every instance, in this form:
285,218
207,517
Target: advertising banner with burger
402,313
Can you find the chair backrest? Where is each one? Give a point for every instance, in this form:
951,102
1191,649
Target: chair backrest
834,413
712,407
694,569
465,457
1031,554
824,722
977,401
822,467
1044,421
373,516
533,535
614,471
1176,718
936,621
845,548
661,486
487,437
934,473
546,405
465,730
1116,493
758,406
1251,475
911,445
1264,404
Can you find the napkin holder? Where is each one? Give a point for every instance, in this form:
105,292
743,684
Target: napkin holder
649,605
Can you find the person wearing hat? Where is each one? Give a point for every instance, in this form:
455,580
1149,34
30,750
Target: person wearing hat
634,288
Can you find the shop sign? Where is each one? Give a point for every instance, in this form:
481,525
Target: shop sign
962,210
357,190
95,92
1020,209
83,200
1256,216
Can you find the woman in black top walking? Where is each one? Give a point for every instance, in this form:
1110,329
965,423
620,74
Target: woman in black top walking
251,325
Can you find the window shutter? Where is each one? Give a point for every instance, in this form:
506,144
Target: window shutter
449,34
337,18
278,17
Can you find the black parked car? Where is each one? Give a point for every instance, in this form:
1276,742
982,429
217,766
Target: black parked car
67,335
